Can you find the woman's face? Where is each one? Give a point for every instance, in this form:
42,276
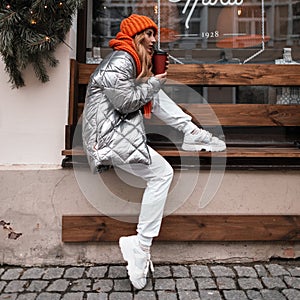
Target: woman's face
149,40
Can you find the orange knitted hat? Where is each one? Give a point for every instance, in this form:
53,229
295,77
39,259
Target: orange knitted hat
137,23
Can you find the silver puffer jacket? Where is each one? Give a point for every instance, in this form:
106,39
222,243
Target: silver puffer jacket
113,131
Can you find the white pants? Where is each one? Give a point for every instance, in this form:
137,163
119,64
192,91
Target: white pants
159,174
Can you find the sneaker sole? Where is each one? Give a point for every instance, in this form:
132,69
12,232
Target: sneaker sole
208,148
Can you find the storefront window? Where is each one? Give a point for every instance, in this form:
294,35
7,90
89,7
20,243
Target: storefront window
207,31
210,31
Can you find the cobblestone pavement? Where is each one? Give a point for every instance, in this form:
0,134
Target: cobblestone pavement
271,281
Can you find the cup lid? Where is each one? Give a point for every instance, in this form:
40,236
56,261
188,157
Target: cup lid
159,51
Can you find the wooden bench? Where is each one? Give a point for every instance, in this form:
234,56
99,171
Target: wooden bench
245,126
250,151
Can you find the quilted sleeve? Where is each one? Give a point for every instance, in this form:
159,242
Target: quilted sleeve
124,92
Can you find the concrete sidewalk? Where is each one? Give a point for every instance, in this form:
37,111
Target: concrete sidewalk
274,280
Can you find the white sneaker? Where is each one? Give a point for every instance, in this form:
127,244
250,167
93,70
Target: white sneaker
202,140
138,261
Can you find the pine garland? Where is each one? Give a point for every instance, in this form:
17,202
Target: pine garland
30,32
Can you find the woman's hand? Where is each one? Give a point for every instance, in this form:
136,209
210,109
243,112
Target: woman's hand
167,62
161,76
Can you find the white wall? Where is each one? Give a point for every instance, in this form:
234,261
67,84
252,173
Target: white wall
32,118
34,201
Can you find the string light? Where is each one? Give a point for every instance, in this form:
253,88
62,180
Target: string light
33,22
8,6
47,39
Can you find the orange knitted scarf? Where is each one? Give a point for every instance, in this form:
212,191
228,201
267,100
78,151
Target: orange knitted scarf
125,43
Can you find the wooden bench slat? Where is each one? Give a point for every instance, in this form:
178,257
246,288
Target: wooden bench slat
73,92
235,115
238,152
182,228
291,152
84,72
233,75
244,114
220,74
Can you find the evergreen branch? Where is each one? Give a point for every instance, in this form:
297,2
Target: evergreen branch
8,18
40,69
65,43
41,44
77,4
15,75
6,43
30,32
52,61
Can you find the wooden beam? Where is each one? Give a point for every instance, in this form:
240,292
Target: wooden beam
183,228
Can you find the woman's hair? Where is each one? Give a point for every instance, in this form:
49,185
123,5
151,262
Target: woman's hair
145,58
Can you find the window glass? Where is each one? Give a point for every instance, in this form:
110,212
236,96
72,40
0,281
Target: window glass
205,31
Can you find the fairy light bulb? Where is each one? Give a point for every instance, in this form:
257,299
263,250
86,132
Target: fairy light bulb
7,6
33,22
47,39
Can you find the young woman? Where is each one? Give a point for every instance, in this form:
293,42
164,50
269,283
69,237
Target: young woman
121,88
